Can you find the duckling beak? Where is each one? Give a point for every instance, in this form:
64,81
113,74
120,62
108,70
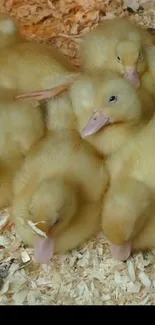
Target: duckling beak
131,75
43,250
95,123
121,252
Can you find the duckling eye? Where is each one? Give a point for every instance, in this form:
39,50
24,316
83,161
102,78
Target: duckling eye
140,57
118,58
113,99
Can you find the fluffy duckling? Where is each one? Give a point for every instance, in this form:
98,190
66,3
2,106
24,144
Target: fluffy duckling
21,126
29,65
54,187
128,216
109,110
9,31
21,123
119,46
57,110
85,105
122,115
60,114
148,78
51,207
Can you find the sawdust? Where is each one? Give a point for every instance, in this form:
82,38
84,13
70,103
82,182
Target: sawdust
60,22
87,276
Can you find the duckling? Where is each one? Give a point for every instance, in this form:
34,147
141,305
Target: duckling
55,202
56,210
126,115
21,126
58,109
108,110
119,46
9,31
83,108
148,78
123,122
128,211
28,65
53,187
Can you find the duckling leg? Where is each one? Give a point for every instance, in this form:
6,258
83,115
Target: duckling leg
84,225
126,208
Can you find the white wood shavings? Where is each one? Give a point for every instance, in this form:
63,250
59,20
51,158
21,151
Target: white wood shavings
118,279
3,241
134,287
105,297
1,255
14,246
83,276
120,267
25,257
31,299
43,281
4,217
134,4
17,282
4,269
13,268
131,270
83,262
19,297
144,301
140,262
5,288
100,251
96,274
82,290
145,279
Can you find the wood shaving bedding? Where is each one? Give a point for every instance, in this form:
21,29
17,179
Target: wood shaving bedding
88,275
85,276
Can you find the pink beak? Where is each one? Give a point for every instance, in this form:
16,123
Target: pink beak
95,123
43,250
121,252
132,76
